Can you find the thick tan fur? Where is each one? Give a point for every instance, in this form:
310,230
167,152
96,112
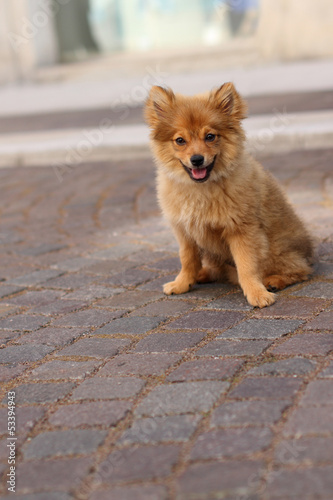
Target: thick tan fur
235,225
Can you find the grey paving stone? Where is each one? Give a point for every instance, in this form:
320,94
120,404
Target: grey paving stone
234,348
42,393
42,249
60,443
52,475
267,388
205,369
6,290
36,277
309,420
132,493
59,307
313,482
26,419
186,397
230,443
320,290
292,307
34,298
143,463
53,336
169,342
10,372
23,323
318,344
57,370
94,348
106,413
328,371
108,388
159,429
165,308
130,326
240,413
46,495
24,353
89,317
70,281
324,321
304,450
261,329
291,366
235,301
92,292
75,264
129,300
131,277
138,364
207,320
232,479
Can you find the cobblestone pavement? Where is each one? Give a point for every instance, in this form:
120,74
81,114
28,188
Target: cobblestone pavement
123,393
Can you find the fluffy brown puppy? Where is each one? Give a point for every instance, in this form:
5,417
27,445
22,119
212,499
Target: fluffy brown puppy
231,217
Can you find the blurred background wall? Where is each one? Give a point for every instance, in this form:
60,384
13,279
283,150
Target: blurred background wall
39,33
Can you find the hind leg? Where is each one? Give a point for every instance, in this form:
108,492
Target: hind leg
276,282
210,273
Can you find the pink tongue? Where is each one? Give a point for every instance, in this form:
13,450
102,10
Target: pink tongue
199,173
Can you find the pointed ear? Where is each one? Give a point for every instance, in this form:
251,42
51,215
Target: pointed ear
228,100
158,105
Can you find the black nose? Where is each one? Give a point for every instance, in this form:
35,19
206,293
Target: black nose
197,160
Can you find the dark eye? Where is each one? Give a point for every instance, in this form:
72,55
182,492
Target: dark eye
210,137
180,141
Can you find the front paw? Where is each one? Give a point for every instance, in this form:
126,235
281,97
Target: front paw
260,298
176,288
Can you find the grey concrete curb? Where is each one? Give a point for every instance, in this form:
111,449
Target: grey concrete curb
65,149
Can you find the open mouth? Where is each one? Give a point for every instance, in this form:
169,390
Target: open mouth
199,174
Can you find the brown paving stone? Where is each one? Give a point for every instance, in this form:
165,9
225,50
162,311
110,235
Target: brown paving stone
108,388
7,335
318,392
138,364
169,342
285,307
52,475
7,310
94,347
322,322
315,482
141,463
233,478
308,343
240,413
234,348
202,369
309,420
207,320
304,450
230,443
132,277
90,414
132,493
57,369
267,388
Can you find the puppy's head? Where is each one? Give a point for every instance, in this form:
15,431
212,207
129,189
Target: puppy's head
196,138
